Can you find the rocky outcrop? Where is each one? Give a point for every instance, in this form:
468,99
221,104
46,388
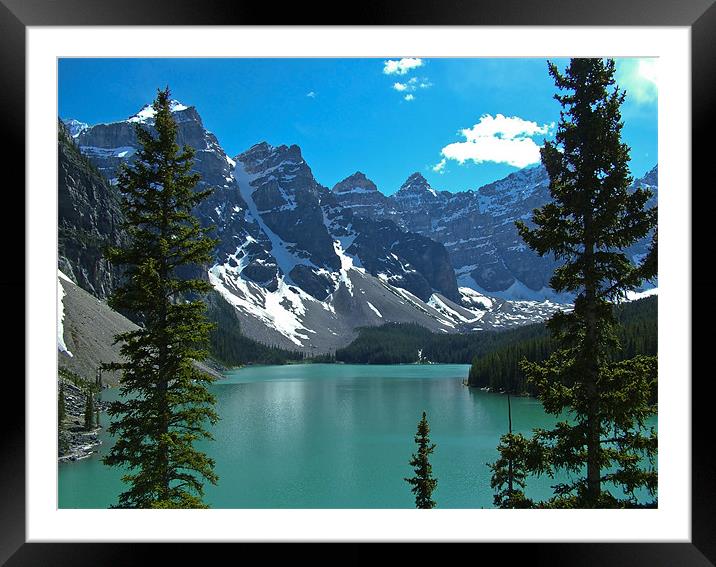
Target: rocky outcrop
361,195
75,441
89,219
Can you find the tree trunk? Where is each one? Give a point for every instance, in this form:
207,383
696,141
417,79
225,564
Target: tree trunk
591,369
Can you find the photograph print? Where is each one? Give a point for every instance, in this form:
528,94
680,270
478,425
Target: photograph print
353,283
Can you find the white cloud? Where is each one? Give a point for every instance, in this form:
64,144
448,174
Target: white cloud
311,94
401,66
412,85
639,78
440,166
409,97
498,139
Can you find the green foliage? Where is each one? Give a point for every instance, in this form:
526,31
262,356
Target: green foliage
500,369
592,218
393,343
399,343
62,440
166,404
494,355
423,483
77,380
232,348
61,408
89,409
509,472
328,358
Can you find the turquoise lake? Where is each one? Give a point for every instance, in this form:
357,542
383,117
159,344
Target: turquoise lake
337,436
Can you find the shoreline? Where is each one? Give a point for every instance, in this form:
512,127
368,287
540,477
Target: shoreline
74,441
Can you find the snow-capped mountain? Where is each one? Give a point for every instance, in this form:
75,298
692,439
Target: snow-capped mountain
75,127
477,227
361,195
109,145
305,266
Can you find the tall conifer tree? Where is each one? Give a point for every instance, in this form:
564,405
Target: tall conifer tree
89,408
423,483
166,405
593,216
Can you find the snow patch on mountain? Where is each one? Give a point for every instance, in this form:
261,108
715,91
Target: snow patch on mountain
61,346
120,152
280,250
346,264
518,291
436,302
373,308
474,299
281,310
75,127
147,113
636,295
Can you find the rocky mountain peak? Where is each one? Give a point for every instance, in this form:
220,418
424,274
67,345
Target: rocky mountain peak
356,183
264,156
416,184
146,114
651,177
74,127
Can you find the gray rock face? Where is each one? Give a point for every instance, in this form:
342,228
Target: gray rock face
360,194
287,198
89,218
74,127
404,259
110,145
89,327
415,202
477,227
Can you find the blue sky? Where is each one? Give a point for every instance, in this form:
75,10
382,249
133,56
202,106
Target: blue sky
460,122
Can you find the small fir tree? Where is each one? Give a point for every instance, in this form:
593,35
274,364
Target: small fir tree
89,409
166,405
423,483
509,472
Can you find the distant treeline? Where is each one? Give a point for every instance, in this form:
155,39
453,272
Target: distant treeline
499,369
231,348
494,355
404,343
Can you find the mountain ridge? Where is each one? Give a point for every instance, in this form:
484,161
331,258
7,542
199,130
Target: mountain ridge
304,265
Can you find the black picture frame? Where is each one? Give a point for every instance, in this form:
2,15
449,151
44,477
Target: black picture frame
698,15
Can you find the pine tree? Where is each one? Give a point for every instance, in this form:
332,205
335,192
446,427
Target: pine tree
509,472
166,404
423,483
593,216
61,408
89,409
